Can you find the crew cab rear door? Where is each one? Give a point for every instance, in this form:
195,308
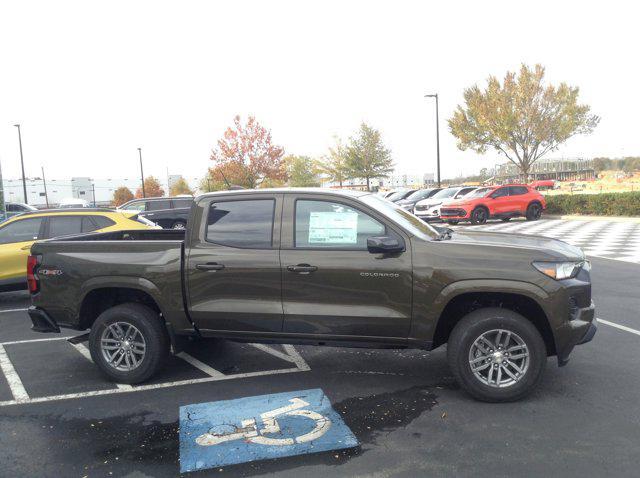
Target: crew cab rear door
233,265
331,283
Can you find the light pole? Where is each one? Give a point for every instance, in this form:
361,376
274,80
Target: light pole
24,182
141,172
437,133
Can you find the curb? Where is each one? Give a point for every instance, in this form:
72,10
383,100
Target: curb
577,217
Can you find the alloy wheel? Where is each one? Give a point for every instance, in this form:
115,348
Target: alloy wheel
123,346
499,358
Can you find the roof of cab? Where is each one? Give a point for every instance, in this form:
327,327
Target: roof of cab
333,192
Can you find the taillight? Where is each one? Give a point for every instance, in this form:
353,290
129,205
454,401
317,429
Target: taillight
32,274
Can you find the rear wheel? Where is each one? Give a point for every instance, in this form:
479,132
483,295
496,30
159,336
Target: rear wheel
128,343
534,211
479,216
496,355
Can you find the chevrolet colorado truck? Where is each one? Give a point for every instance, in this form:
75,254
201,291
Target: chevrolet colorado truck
318,267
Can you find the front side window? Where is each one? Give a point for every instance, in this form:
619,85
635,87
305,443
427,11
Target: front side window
243,224
136,206
324,224
21,231
502,192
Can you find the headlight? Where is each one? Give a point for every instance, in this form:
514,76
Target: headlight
559,270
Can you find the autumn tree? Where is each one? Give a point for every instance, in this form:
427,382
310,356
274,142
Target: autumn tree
521,118
152,188
366,156
224,176
248,151
302,171
180,186
333,165
122,195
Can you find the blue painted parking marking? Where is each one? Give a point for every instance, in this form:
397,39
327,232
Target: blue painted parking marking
229,432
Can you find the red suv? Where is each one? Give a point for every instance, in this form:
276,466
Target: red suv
501,202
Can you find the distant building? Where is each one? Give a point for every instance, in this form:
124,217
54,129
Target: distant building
557,169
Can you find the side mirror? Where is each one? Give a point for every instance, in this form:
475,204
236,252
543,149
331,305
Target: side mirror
384,244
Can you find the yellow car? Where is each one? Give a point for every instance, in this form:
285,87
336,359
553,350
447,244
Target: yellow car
20,232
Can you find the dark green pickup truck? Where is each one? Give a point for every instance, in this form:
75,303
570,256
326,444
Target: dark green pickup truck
319,267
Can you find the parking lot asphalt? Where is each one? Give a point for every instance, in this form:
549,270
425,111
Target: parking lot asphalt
402,406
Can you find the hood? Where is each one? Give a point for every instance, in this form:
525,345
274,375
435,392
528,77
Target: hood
430,202
551,247
456,202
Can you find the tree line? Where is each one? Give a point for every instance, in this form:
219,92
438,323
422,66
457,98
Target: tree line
246,156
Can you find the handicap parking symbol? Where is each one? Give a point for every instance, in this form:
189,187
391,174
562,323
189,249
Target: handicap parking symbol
256,428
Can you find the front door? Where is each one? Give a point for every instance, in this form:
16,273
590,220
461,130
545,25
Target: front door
500,202
233,269
331,283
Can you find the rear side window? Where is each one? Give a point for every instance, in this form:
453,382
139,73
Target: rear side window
180,203
100,223
21,231
243,224
64,225
324,224
158,205
517,190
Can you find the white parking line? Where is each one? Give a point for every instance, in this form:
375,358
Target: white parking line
618,326
20,395
84,351
212,372
6,311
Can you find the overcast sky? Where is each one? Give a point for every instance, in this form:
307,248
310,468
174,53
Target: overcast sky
91,81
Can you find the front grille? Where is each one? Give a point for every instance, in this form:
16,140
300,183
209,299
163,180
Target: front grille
452,212
422,208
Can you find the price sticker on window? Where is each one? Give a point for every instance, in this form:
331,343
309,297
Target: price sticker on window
333,228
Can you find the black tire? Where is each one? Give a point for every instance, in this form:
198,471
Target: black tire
148,324
479,215
505,219
462,343
179,225
534,211
453,223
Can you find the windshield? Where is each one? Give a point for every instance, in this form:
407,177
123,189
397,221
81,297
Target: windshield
478,193
445,193
417,195
396,196
408,221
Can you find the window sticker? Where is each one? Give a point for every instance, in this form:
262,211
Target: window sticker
333,228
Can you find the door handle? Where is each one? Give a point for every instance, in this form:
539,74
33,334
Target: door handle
302,268
210,266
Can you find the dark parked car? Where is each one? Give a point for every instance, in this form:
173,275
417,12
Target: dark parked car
410,201
168,213
400,195
319,267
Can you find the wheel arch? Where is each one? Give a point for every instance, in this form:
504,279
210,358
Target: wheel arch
523,298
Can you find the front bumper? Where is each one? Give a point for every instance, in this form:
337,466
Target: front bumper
42,322
574,332
457,214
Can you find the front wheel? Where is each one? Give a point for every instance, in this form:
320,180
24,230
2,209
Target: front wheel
479,216
128,343
496,355
179,225
534,211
